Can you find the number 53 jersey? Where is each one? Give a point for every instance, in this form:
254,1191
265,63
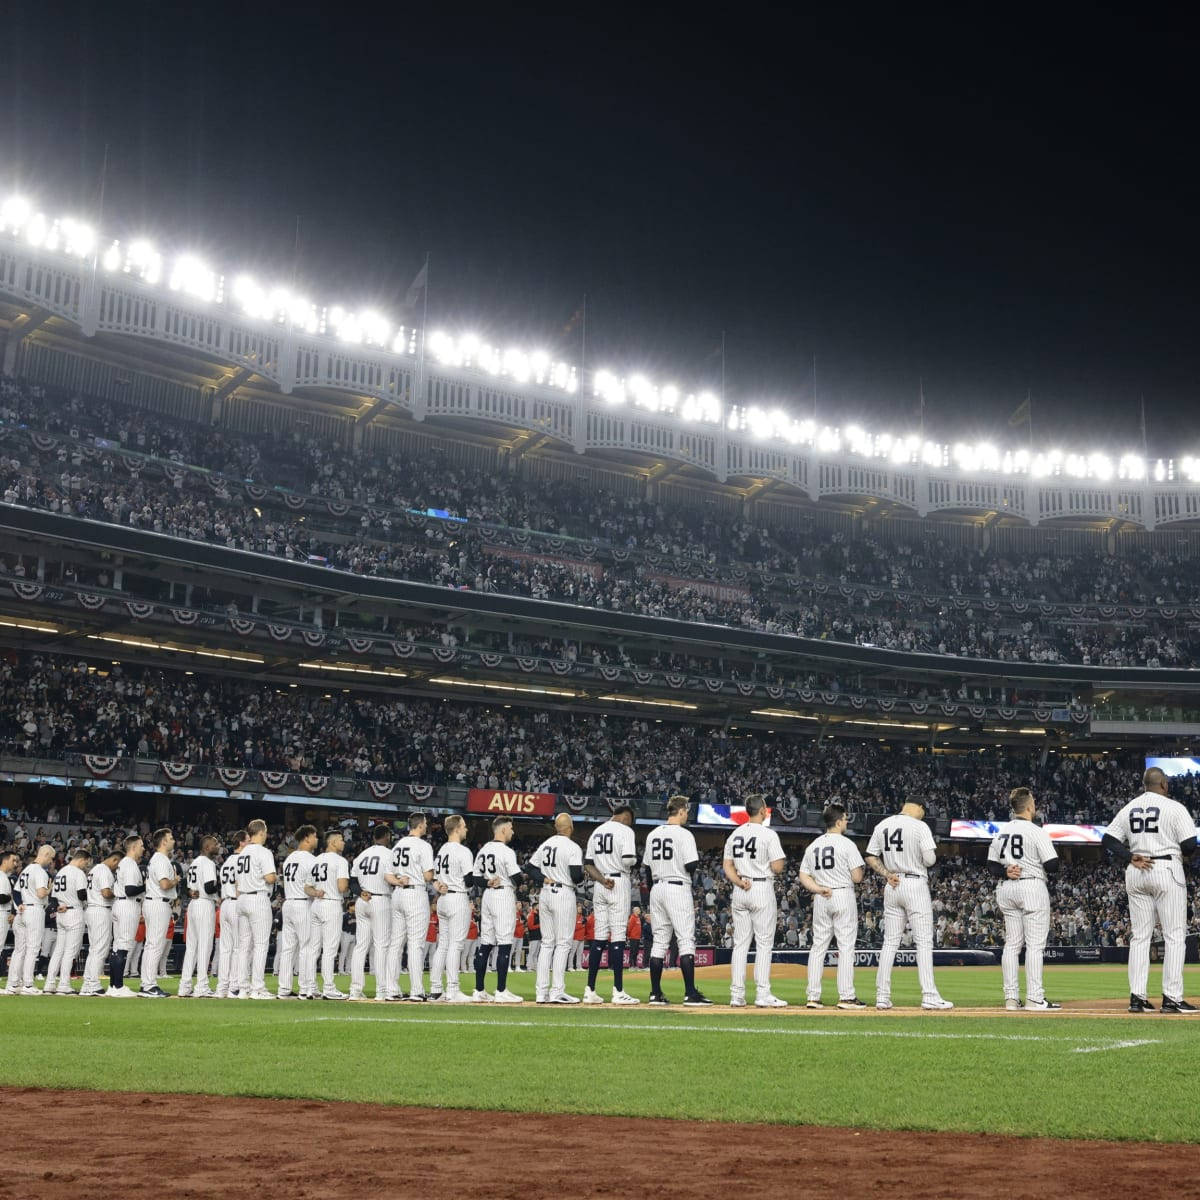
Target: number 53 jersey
830,859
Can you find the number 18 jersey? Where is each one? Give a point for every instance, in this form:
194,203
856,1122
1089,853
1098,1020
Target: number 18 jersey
830,859
902,844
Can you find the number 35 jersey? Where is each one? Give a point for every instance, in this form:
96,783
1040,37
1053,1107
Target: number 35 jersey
1154,825
903,844
1023,844
830,859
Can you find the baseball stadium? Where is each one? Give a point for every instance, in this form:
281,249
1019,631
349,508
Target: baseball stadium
446,751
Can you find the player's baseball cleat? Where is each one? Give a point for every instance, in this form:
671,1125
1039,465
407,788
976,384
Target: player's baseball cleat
478,997
1041,1006
358,998
1012,1006
154,993
591,997
121,993
65,991
436,997
507,997
770,1002
564,998
203,994
416,998
264,995
624,998
937,1004
658,999
740,1002
459,998
814,1004
1139,1004
183,995
853,1004
696,1000
882,1004
334,995
284,996
1178,1006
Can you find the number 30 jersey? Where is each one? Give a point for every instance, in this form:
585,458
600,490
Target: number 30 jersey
669,849
1023,844
830,859
904,845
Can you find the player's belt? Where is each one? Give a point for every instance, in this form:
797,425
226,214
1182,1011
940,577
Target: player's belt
911,875
614,877
672,882
559,885
1160,857
99,904
163,899
756,878
295,899
455,892
249,893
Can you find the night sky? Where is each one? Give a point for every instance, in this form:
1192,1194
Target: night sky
995,205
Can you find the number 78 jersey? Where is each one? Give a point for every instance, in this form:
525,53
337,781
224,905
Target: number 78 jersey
1023,844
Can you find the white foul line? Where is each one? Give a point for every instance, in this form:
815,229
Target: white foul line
1091,1044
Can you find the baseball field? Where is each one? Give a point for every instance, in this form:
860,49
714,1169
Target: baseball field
538,1075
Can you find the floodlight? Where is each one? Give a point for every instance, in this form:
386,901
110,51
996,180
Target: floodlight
79,239
193,278
112,257
14,212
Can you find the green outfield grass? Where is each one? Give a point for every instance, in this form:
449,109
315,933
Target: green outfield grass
1061,1075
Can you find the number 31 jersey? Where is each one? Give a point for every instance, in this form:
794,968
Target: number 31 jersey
902,844
830,859
1023,844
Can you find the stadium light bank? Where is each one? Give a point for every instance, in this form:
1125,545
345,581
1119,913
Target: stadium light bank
190,276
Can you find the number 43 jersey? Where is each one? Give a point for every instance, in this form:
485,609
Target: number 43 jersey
902,844
830,859
1023,844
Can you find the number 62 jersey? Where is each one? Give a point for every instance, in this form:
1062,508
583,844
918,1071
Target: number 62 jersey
1154,825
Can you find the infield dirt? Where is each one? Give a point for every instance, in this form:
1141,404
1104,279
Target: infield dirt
110,1143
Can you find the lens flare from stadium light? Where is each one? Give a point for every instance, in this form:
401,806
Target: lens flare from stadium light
193,278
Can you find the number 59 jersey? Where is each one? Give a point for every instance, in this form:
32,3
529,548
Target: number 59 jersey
1023,844
903,844
830,859
669,849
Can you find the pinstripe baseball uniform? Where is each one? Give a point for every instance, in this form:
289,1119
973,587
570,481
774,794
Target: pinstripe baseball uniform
829,861
453,865
28,926
669,849
1024,903
612,850
295,937
156,911
99,925
254,864
752,848
906,848
67,895
1154,825
373,919
411,858
201,925
228,960
326,917
556,906
498,908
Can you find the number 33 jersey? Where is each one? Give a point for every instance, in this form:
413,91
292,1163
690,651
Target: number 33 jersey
830,859
902,844
1023,844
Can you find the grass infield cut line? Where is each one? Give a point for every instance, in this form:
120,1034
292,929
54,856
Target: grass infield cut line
1090,1044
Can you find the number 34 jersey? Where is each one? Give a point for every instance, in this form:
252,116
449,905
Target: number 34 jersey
1023,844
903,844
830,859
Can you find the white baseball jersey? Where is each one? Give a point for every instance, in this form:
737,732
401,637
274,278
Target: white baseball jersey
496,860
254,864
327,869
370,867
68,883
669,849
904,845
753,848
129,875
453,865
229,878
30,880
202,870
297,872
100,879
1154,825
1023,844
5,892
830,859
411,858
555,857
161,867
611,849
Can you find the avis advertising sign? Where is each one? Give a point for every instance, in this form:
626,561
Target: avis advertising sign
513,804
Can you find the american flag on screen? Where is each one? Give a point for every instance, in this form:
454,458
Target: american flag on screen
725,814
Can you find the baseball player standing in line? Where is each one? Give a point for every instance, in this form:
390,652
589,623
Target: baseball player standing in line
33,886
330,873
101,882
452,879
557,864
496,868
830,868
410,876
228,959
256,877
126,914
9,861
901,851
68,894
162,888
299,893
373,915
752,859
1021,856
1153,834
609,857
202,889
670,859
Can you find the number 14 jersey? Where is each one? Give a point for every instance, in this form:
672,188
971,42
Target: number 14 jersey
902,844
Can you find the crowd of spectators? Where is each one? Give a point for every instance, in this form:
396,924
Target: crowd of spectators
916,581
